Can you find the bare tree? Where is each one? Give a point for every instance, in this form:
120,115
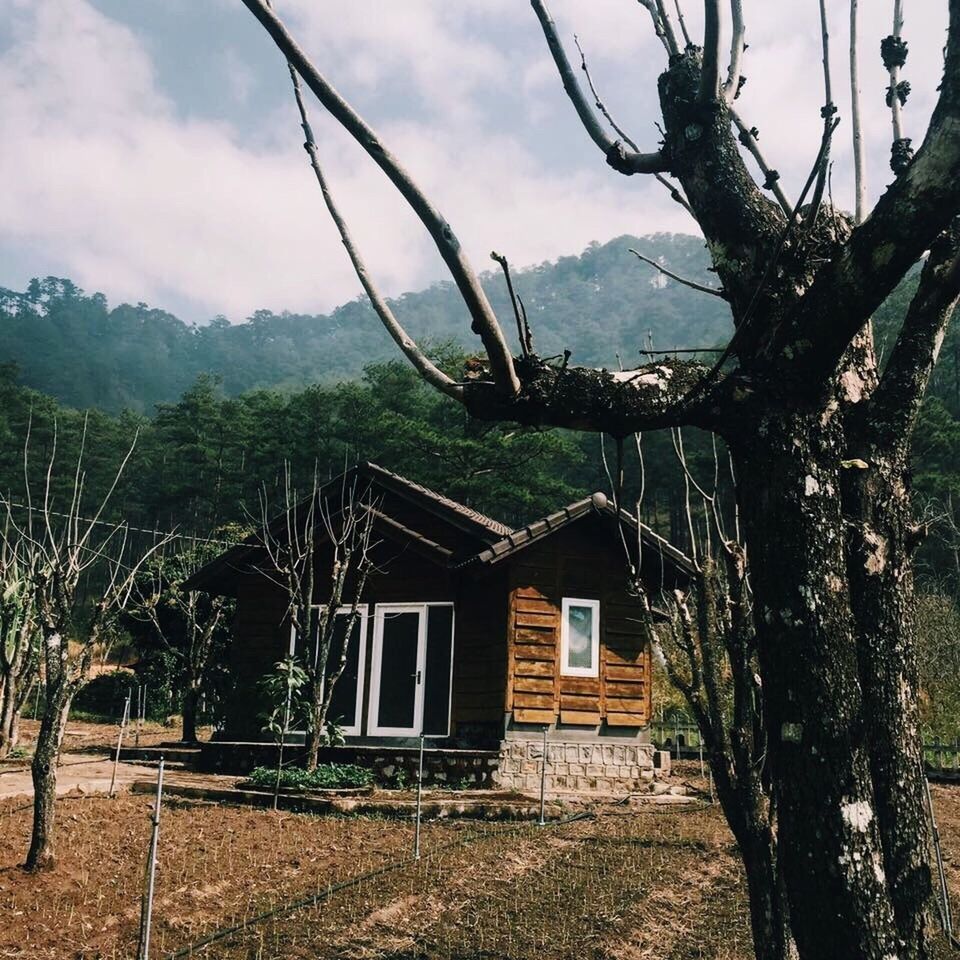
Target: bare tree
329,530
82,572
818,432
186,623
18,634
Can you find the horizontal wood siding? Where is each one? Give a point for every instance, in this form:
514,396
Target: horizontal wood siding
480,652
581,561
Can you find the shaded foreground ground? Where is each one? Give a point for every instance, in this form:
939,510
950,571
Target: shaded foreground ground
626,885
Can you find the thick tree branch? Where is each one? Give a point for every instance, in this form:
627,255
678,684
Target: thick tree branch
484,321
618,156
737,45
859,167
614,402
421,362
748,137
710,75
896,401
906,220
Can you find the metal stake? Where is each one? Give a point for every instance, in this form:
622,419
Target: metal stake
945,915
416,835
146,913
543,780
136,737
116,758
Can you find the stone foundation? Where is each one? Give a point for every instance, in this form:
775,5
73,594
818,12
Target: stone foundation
576,767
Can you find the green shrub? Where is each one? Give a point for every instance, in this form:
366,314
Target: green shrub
102,698
327,776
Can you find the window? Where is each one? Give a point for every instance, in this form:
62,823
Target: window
580,638
347,698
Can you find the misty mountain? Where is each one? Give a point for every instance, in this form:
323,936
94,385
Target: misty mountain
602,303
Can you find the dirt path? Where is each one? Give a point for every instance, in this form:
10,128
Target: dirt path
76,775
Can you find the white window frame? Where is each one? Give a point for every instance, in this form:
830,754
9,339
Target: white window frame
565,669
362,610
380,611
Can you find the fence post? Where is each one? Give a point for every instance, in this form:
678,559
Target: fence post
416,834
146,912
676,736
136,726
945,915
700,741
543,780
116,758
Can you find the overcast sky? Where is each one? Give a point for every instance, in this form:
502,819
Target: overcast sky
149,149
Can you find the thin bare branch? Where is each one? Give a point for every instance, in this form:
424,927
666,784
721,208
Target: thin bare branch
421,362
523,330
713,291
748,137
737,45
859,167
894,53
710,72
622,160
827,112
484,321
661,25
683,23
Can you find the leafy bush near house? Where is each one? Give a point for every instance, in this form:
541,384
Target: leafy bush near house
102,698
327,776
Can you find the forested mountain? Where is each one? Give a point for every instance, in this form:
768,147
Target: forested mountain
74,347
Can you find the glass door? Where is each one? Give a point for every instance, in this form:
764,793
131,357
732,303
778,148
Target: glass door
411,672
396,695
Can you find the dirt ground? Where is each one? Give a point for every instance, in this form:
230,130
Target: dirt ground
626,884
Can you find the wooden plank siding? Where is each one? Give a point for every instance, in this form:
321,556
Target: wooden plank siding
579,562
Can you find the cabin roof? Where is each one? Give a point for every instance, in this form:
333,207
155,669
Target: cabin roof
483,540
517,540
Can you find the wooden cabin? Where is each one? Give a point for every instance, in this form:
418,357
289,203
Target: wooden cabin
473,633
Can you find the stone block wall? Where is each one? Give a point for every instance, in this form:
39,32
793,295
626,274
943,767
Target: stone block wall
576,767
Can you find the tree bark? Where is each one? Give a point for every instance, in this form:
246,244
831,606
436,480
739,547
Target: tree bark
189,707
44,773
8,716
822,747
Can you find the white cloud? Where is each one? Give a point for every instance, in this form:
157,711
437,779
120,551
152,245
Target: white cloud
147,199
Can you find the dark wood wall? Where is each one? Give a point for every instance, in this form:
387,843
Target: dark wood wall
583,562
261,636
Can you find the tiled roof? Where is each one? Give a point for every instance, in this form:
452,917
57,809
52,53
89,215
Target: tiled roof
598,502
467,513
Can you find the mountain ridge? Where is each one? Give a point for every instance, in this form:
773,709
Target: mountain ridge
601,304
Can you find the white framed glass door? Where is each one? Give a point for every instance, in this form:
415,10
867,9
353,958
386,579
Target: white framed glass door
411,671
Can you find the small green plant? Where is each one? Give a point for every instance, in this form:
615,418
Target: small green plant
399,780
19,753
327,776
284,689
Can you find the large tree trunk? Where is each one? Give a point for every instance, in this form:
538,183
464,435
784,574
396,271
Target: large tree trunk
44,772
833,812
190,707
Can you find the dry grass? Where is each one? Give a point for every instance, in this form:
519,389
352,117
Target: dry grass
630,884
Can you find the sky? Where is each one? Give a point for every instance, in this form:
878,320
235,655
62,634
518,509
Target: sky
150,149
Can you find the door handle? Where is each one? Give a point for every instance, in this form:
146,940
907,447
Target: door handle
417,675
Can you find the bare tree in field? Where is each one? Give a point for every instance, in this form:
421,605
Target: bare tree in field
18,634
82,571
319,552
819,434
186,623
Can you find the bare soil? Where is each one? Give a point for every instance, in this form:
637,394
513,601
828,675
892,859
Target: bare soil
629,883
